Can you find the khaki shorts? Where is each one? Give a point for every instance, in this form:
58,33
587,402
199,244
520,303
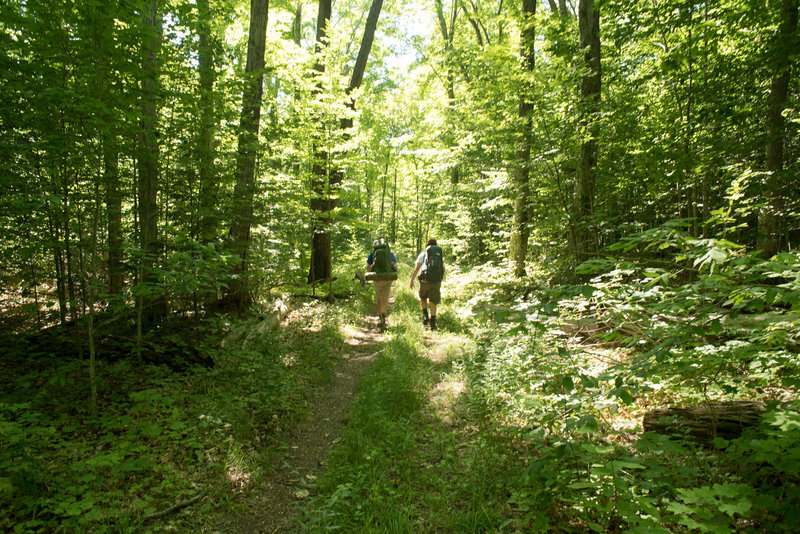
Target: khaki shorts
383,288
430,291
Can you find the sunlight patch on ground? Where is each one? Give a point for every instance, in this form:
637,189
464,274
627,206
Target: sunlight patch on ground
444,395
237,478
349,331
445,347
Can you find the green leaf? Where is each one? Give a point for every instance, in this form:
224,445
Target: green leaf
151,431
587,291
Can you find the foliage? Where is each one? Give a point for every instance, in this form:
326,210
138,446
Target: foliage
674,306
705,321
161,438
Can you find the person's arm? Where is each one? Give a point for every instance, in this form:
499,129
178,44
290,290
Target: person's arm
414,275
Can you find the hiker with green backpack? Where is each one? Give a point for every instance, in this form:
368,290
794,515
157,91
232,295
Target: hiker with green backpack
430,266
382,270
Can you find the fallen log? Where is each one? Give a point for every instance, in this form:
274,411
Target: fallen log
705,422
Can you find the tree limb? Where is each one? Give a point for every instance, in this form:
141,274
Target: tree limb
174,508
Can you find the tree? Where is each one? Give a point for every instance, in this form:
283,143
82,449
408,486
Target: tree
521,171
209,182
448,32
786,44
239,293
148,159
583,197
326,179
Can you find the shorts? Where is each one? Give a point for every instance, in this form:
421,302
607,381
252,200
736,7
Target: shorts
430,291
383,288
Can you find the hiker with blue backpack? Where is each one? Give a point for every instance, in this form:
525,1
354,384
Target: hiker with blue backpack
382,270
430,266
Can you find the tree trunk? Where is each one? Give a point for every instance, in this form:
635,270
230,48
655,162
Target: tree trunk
152,308
518,247
297,27
244,189
394,208
786,45
320,268
103,25
706,422
366,46
384,184
447,35
325,180
58,262
116,241
583,197
209,184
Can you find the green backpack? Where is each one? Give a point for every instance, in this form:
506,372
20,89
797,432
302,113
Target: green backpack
382,260
433,270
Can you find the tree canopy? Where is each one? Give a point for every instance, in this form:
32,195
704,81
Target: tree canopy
165,159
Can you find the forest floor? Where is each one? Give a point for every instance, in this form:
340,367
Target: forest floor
273,509
288,491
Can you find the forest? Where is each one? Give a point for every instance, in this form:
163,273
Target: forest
189,190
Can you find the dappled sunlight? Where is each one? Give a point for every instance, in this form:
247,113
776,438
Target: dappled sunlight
237,478
444,395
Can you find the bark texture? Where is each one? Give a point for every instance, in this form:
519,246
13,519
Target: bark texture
327,179
209,184
583,196
520,231
244,189
152,307
786,45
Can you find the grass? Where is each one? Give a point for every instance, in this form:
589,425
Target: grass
495,423
412,459
162,437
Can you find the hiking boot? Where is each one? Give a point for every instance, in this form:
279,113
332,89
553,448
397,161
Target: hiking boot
425,319
433,323
382,322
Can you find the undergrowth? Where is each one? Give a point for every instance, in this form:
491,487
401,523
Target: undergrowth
162,438
566,374
541,429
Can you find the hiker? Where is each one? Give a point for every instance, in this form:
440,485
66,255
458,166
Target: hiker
383,266
430,267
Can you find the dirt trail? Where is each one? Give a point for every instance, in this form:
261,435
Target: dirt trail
311,442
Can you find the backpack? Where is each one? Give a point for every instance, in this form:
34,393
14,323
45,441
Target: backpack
382,260
434,265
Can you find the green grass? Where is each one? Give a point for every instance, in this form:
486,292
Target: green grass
161,437
400,467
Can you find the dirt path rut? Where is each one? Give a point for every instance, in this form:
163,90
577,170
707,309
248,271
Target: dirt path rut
310,443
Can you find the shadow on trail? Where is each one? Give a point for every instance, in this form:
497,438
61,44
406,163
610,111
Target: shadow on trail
406,460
